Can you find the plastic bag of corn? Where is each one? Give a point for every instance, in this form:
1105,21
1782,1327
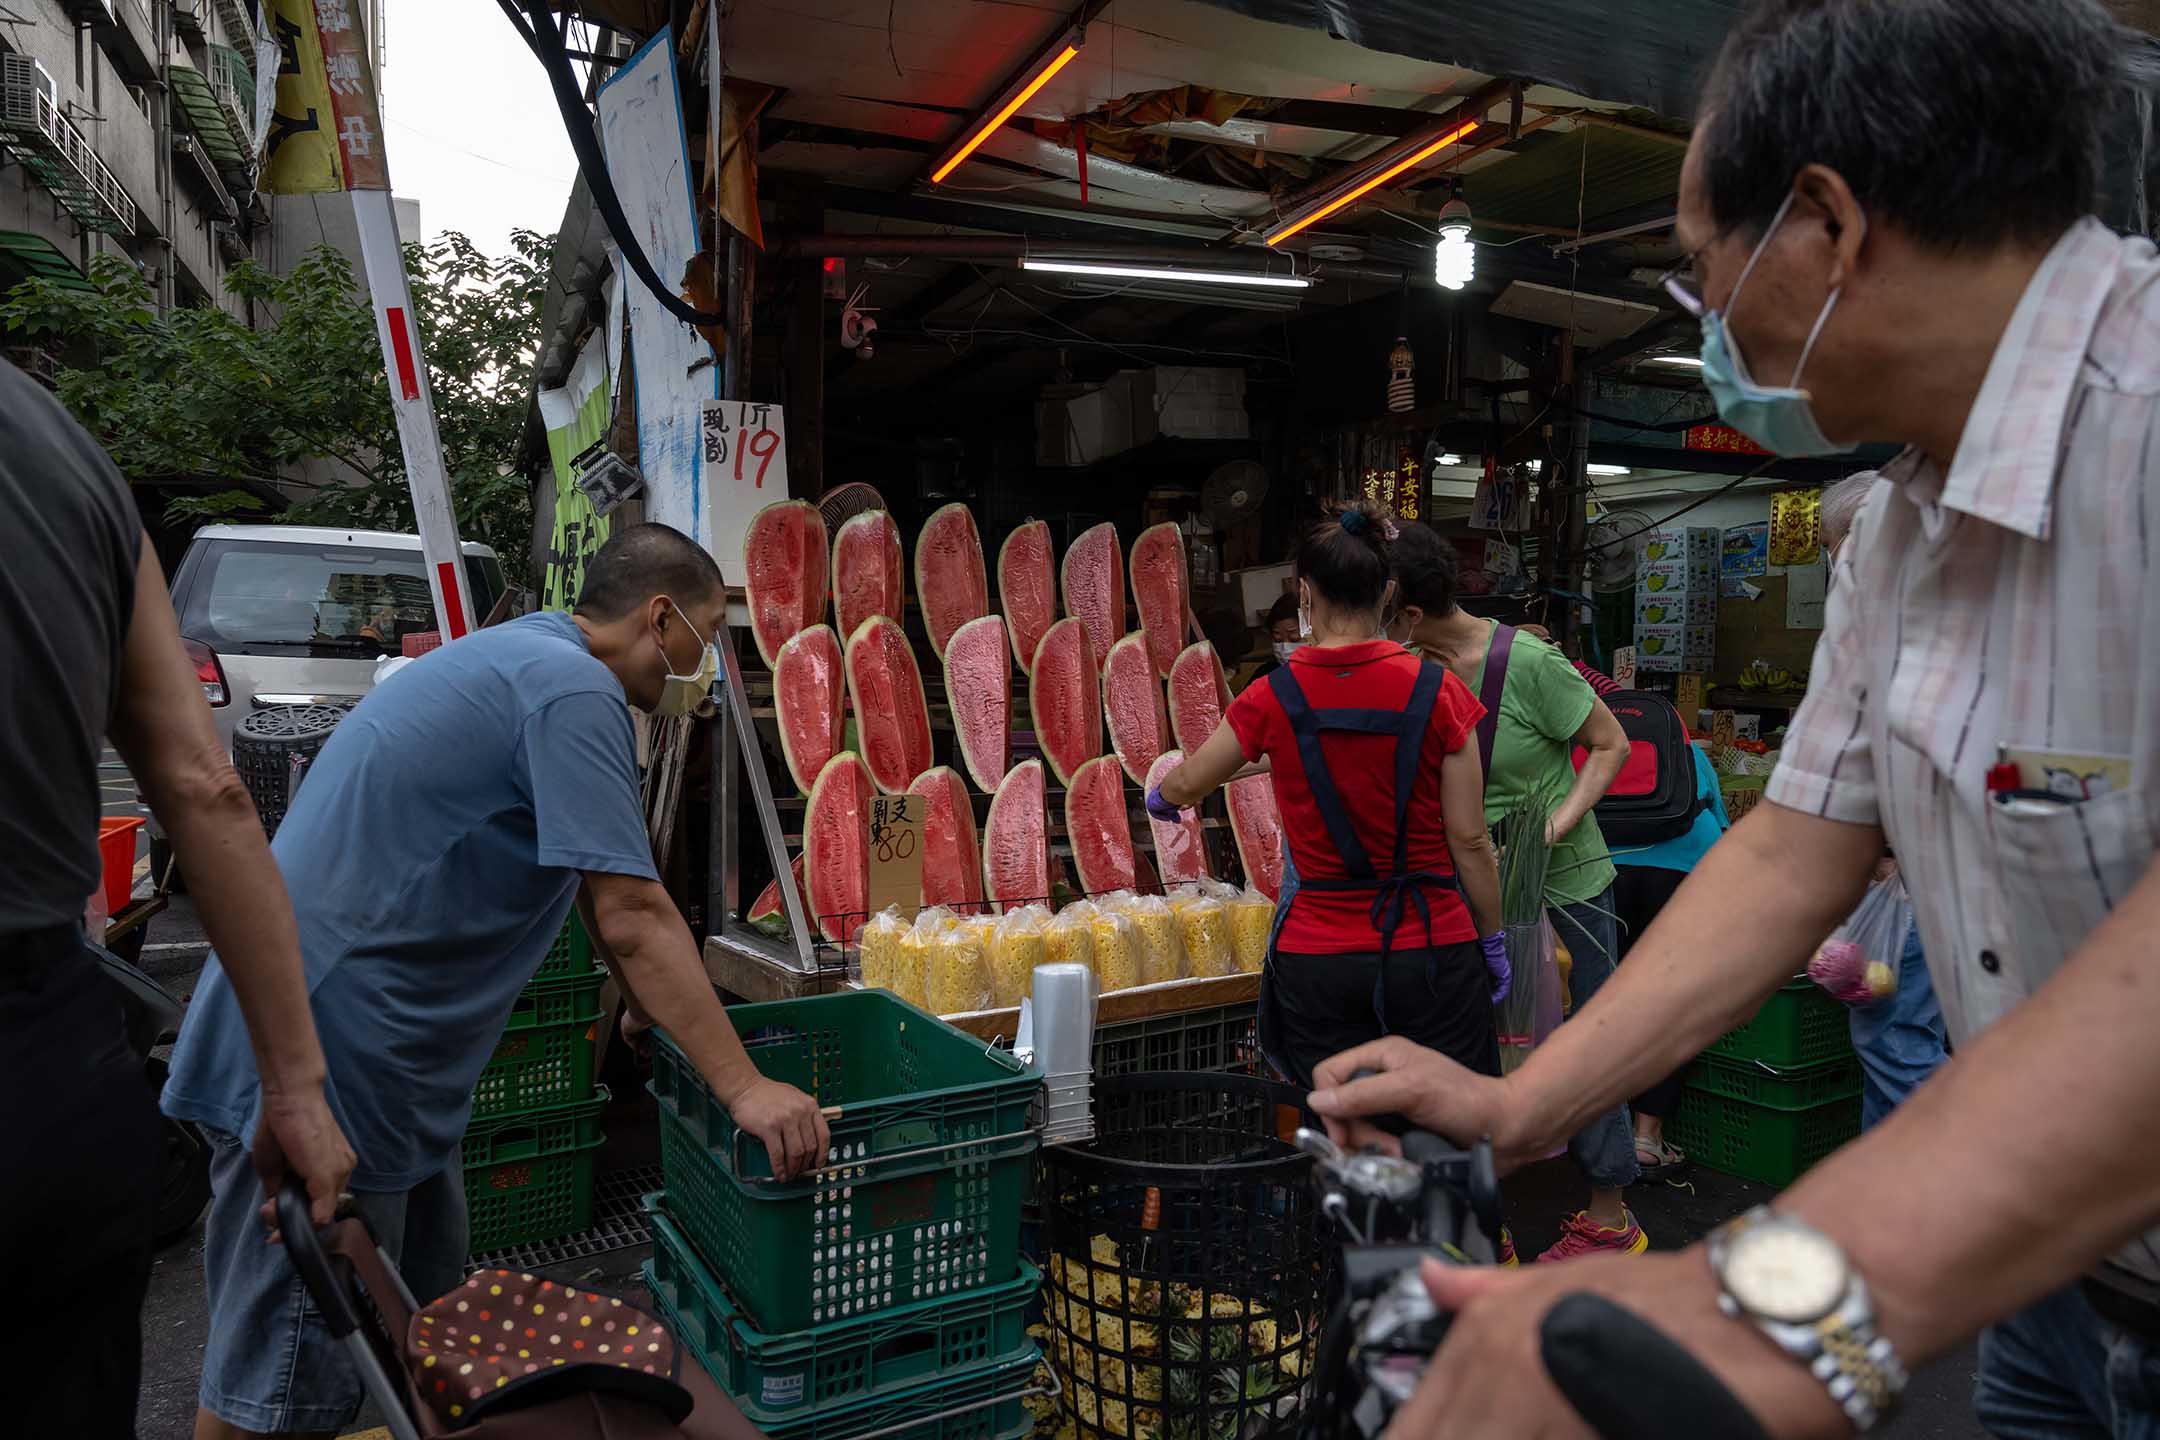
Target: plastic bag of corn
1162,951
958,979
1204,926
1069,938
1252,917
1016,948
878,948
1117,946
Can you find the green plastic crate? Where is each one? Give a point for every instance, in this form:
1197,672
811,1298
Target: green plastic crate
535,1134
986,1403
777,1377
857,1240
1218,1039
902,1079
545,1056
570,957
1773,1146
516,1202
1775,1089
1798,1026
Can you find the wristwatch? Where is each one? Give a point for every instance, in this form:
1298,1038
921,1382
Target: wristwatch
1794,1284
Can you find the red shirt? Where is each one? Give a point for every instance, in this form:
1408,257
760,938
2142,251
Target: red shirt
1375,675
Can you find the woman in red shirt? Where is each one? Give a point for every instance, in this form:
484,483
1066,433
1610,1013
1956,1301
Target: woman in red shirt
1381,794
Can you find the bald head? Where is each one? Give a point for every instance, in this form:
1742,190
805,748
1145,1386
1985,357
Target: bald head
1841,506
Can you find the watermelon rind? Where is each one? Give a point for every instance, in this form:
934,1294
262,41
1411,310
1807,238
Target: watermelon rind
1099,783
836,852
968,877
769,627
1130,668
1026,628
893,586
874,719
1019,801
985,756
1068,698
803,769
1163,621
1092,579
939,619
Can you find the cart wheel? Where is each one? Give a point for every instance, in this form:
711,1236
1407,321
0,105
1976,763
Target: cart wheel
161,862
129,946
183,1172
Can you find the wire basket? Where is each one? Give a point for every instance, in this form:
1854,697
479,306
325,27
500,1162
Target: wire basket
1186,1271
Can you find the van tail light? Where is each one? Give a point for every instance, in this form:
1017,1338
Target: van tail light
208,671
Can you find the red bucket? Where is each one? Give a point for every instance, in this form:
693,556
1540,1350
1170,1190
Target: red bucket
116,847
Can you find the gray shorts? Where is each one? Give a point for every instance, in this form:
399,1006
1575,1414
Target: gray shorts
270,1365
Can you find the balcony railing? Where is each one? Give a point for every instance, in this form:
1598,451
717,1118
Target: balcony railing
46,143
239,18
232,85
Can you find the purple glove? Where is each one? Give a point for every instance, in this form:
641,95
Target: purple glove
1496,965
1162,809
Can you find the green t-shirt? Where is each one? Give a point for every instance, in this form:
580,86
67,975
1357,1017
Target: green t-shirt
1541,707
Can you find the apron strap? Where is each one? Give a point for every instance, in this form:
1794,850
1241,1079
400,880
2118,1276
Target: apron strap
1409,749
1489,691
1304,725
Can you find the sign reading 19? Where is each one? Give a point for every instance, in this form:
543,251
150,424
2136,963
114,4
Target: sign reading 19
761,437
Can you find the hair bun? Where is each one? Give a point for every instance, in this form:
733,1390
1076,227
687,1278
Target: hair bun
1354,522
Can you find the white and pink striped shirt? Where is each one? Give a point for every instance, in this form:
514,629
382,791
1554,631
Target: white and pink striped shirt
2010,608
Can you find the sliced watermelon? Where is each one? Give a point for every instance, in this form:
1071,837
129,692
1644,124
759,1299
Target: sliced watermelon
1016,839
949,583
869,577
1258,827
891,719
1198,695
1093,577
1132,702
1027,588
1162,591
767,905
978,687
952,869
1180,852
1099,828
809,679
1065,698
836,853
784,560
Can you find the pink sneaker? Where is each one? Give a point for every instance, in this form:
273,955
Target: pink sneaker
1581,1235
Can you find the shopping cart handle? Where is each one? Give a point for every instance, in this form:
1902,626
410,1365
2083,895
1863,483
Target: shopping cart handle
1624,1376
305,1246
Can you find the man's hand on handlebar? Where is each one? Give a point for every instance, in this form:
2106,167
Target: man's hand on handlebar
1429,1090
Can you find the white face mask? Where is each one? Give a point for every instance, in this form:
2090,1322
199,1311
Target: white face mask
1304,620
1284,649
686,694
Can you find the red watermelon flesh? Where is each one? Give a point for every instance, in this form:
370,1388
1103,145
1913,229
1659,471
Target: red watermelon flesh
1016,839
836,855
978,687
1093,577
1162,592
1196,696
1027,587
869,576
784,561
949,583
1132,701
809,680
768,903
1180,853
1100,830
1065,698
1258,827
951,863
891,720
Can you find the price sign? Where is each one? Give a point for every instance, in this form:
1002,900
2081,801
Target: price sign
742,458
896,853
1623,667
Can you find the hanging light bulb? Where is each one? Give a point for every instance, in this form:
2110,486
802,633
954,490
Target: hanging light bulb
1454,258
1401,389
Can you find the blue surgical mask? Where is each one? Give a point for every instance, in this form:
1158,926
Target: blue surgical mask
1780,419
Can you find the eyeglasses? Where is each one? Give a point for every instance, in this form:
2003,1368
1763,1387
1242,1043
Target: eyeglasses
1680,282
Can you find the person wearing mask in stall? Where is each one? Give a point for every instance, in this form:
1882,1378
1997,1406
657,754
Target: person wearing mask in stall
1397,882
1537,711
437,847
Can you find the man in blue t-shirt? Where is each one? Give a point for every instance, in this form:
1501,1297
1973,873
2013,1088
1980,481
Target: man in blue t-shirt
433,855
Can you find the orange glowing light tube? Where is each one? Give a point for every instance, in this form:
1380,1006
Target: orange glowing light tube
1330,207
1064,58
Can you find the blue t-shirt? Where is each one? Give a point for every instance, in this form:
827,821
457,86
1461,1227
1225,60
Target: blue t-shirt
432,854
1684,850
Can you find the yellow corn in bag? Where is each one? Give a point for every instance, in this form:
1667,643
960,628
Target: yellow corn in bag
1069,938
1252,916
1117,941
879,948
1016,948
1162,953
1204,925
959,976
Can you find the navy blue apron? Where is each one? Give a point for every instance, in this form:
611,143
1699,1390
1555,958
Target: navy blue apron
1395,891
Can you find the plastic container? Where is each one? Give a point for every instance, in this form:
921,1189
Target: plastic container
878,948
1774,1089
1069,938
1252,920
1204,926
1218,1039
1798,1026
545,1056
1016,948
1162,952
1116,943
1755,1141
518,1198
570,957
958,980
776,1377
116,853
535,1134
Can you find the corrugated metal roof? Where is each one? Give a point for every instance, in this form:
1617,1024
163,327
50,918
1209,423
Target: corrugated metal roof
1589,172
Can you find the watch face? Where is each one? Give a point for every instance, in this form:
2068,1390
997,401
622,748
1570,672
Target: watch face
1785,1272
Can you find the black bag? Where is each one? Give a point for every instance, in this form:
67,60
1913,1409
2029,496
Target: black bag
1655,796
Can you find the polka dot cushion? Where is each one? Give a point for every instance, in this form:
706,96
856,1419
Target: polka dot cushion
501,1327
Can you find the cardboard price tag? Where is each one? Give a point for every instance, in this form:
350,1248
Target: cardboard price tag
742,452
896,851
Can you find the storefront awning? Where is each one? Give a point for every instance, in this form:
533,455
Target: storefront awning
24,256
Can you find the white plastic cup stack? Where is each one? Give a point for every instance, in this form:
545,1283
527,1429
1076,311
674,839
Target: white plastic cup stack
1063,1003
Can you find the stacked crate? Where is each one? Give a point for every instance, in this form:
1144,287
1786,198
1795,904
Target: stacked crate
1776,1095
1676,595
534,1139
886,1290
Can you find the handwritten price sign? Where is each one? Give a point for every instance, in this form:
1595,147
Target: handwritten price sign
895,843
742,459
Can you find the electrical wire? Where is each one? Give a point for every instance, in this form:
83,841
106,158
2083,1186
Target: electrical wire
1735,483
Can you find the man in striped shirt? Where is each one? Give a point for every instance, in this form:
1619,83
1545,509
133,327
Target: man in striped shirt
1886,211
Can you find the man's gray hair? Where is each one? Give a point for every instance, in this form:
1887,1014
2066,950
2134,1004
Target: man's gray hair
1841,506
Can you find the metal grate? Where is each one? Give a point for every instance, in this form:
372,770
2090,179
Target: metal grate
46,143
618,1224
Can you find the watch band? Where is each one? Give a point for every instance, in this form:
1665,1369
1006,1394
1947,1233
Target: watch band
1857,1366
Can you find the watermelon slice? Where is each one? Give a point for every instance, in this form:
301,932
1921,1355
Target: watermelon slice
809,679
868,574
836,853
891,719
1016,839
1100,830
1163,593
949,583
1093,576
1027,587
767,906
1180,852
1198,695
1132,702
784,559
1258,827
952,869
1065,698
978,686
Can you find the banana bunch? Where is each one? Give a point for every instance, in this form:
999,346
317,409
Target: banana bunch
1761,675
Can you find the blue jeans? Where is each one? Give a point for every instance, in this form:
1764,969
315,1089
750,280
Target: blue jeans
1899,1038
2058,1371
1604,1149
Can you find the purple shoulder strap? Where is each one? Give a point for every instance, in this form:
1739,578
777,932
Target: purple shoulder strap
1489,688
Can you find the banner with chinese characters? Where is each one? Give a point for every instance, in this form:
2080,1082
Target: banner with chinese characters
325,127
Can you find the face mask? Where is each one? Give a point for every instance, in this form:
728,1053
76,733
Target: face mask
1781,420
1284,649
1304,621
684,694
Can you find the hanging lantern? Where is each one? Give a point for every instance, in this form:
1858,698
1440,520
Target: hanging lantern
1401,389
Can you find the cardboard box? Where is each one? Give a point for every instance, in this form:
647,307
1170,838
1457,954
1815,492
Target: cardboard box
1674,577
1685,607
1673,648
1694,544
1747,726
